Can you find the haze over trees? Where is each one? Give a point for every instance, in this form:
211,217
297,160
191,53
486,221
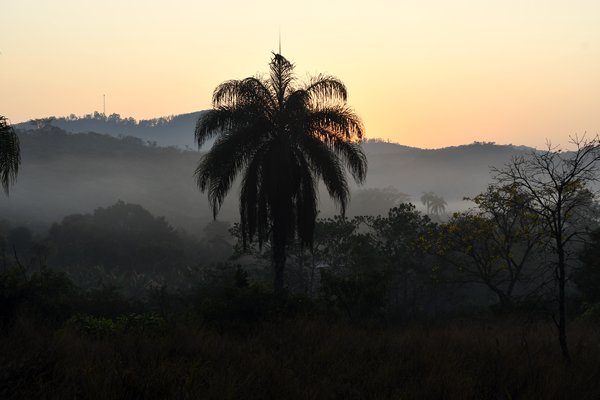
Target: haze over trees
462,289
65,173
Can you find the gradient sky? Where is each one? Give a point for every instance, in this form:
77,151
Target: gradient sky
428,73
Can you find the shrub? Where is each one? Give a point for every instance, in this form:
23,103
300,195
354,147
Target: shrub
100,327
591,313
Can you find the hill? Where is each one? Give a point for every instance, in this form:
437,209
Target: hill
65,173
174,130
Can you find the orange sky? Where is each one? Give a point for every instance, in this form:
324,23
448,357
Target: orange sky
427,73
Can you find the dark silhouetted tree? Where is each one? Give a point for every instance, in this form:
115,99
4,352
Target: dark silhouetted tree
376,201
282,139
437,205
426,200
10,154
557,187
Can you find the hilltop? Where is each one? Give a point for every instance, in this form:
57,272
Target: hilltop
173,130
64,173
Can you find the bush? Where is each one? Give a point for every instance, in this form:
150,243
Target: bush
240,306
100,327
591,313
45,295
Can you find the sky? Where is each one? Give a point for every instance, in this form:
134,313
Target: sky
427,73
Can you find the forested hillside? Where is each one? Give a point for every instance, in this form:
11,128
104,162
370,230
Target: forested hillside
66,173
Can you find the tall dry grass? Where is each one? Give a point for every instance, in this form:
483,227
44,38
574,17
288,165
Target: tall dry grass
302,359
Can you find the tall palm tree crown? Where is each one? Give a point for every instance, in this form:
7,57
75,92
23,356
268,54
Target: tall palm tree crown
10,154
282,139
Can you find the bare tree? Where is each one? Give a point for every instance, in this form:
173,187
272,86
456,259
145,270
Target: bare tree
558,187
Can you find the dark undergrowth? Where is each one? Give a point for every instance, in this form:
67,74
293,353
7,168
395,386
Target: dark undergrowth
297,358
242,342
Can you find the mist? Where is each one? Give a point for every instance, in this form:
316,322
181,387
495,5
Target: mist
64,173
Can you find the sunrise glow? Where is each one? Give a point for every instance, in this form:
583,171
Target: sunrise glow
421,73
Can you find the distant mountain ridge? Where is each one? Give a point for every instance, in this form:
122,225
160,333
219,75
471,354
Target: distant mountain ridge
178,131
174,130
64,173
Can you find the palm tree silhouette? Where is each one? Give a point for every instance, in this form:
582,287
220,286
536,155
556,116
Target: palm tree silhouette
10,154
282,139
438,205
426,200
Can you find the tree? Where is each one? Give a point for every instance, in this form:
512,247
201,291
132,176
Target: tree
437,205
124,241
587,278
376,201
10,154
426,200
495,245
518,237
282,139
556,185
401,238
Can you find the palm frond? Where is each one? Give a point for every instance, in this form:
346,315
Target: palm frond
354,158
225,119
337,122
10,154
228,156
236,93
325,88
326,165
253,201
281,77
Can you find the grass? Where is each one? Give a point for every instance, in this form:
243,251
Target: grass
301,358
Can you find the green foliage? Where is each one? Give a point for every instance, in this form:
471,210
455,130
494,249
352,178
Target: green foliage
373,267
100,327
591,313
227,296
125,246
499,244
46,295
360,295
51,297
123,236
587,277
94,327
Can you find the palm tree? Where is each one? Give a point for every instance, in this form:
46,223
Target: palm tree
438,205
282,139
426,199
10,154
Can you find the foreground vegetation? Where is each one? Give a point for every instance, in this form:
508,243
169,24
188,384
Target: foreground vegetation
238,340
300,358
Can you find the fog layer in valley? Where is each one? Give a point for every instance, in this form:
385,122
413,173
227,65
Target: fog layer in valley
64,173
